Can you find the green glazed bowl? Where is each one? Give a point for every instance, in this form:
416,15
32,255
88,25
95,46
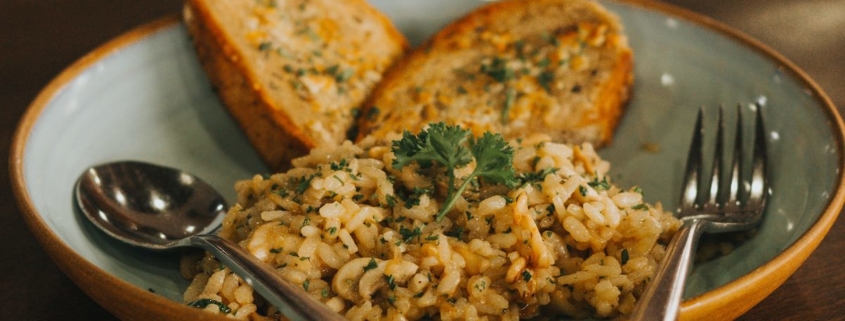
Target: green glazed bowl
143,96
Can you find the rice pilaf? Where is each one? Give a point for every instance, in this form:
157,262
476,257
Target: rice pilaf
362,237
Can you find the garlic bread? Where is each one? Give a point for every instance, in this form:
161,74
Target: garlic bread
292,73
558,67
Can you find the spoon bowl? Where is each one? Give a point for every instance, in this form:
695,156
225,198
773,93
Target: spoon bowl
162,208
147,205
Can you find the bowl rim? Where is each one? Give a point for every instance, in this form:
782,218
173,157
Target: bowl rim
734,298
124,299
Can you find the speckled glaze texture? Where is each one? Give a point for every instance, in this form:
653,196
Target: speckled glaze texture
144,97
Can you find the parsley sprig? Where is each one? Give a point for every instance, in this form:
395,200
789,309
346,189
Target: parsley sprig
452,147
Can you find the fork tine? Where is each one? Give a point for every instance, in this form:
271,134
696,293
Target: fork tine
757,190
732,202
711,204
693,170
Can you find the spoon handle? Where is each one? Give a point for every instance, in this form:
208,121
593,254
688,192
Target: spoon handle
292,301
662,297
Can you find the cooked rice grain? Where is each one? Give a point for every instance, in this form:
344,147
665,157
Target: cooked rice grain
361,237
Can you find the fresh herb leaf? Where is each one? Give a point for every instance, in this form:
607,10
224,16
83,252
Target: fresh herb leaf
493,160
439,143
453,147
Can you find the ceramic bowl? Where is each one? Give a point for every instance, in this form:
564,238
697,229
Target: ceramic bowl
143,96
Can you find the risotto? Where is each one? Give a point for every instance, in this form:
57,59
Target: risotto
363,237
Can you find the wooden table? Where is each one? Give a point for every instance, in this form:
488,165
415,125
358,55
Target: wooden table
40,38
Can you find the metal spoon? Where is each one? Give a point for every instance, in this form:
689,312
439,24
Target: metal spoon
162,208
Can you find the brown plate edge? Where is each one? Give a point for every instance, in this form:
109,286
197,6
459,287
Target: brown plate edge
129,302
733,299
126,301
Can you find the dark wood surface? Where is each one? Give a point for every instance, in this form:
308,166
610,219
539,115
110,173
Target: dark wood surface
38,39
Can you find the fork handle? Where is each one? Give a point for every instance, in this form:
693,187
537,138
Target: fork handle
662,297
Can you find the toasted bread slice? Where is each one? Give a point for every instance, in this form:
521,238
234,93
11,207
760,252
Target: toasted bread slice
560,67
292,73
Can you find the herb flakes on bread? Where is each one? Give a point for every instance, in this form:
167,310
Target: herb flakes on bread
292,73
559,67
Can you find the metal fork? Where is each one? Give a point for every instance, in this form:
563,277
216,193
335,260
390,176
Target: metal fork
729,206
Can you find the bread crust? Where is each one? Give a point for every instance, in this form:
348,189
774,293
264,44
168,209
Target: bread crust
288,97
507,67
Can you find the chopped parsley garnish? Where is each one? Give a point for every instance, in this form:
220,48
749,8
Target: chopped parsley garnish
602,185
526,276
371,265
538,176
390,281
456,233
342,164
639,207
332,230
625,256
414,198
409,234
305,182
452,147
550,209
265,46
545,79
203,303
391,201
281,192
373,112
344,75
498,69
510,99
